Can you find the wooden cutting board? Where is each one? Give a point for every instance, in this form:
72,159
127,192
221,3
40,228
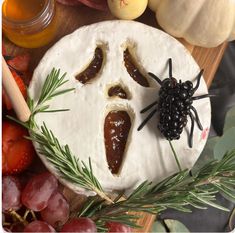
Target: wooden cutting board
71,18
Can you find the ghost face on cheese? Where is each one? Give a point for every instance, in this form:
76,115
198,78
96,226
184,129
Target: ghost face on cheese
107,64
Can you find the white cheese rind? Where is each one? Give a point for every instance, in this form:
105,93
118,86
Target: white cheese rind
148,155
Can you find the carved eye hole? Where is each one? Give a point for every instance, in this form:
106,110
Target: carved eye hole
93,68
133,70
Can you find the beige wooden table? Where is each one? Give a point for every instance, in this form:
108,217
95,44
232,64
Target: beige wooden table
71,18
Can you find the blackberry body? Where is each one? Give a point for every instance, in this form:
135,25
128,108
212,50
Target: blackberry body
175,100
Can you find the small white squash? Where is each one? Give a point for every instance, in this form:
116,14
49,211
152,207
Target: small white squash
205,23
127,9
153,4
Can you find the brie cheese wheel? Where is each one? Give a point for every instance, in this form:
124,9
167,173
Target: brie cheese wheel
146,154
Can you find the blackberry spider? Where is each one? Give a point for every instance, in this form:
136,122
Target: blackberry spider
174,106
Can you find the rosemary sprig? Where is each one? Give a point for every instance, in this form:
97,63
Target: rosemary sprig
65,162
49,90
179,191
175,155
48,145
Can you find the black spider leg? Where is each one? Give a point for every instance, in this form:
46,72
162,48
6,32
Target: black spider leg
191,131
202,96
196,87
148,107
170,68
197,118
147,119
198,80
155,78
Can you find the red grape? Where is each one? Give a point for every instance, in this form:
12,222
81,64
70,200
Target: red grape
38,191
39,226
57,211
17,227
11,193
69,2
117,227
79,225
6,230
96,4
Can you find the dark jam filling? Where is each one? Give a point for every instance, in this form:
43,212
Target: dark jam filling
117,91
133,70
116,129
93,69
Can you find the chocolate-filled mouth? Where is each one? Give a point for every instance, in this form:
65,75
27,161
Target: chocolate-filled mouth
117,126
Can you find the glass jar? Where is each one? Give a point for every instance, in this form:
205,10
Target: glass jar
29,23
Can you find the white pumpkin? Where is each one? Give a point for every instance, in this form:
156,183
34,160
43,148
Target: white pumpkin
147,154
205,23
153,4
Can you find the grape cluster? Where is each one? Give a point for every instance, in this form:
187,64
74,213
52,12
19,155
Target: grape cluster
11,193
42,196
175,100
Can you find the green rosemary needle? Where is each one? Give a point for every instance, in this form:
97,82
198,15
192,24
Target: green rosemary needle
64,161
180,191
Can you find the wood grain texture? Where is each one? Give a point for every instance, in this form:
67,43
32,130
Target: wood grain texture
71,18
13,92
146,221
209,60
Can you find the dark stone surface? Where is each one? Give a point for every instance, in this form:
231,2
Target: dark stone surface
209,220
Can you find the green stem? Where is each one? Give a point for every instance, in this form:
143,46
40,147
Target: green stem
175,155
230,223
102,194
26,214
18,217
6,224
33,215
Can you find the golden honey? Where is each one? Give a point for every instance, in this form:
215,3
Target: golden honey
29,23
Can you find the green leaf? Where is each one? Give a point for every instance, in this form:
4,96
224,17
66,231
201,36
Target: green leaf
216,147
225,143
175,226
208,202
228,194
158,227
230,119
207,154
228,197
232,220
